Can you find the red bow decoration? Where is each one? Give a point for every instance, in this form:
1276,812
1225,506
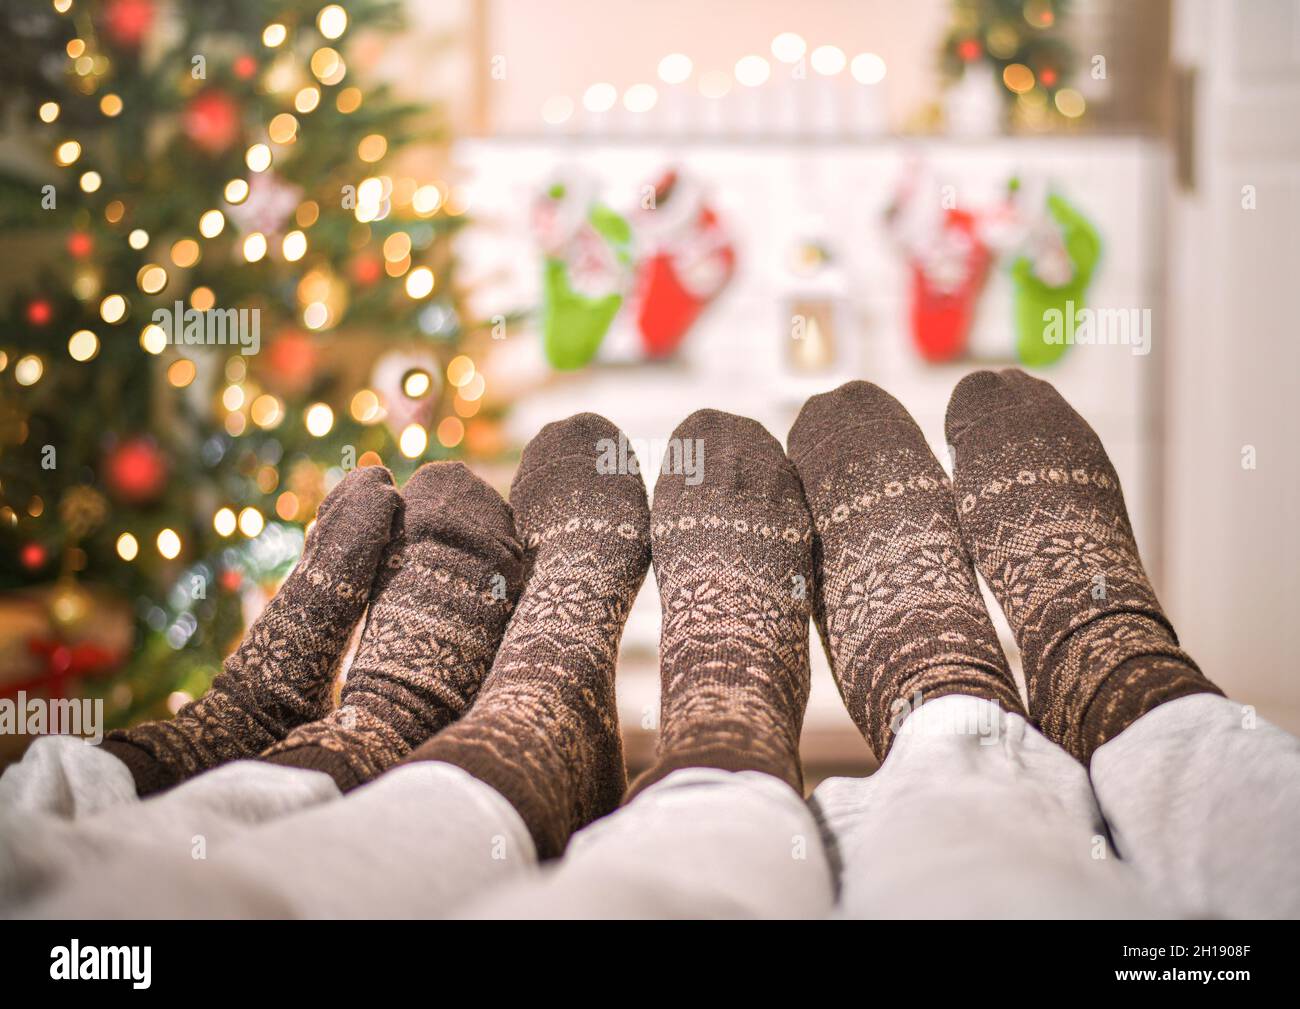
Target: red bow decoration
64,662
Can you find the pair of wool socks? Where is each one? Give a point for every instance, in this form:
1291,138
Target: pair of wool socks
439,567
1035,502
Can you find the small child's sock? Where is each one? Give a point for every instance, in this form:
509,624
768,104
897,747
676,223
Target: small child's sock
281,674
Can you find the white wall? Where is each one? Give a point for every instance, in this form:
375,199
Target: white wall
560,47
1233,540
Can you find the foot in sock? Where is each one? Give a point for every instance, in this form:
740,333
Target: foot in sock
281,674
1042,513
441,601
544,730
733,562
896,601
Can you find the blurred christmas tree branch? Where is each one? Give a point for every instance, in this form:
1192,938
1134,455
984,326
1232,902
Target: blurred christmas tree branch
179,162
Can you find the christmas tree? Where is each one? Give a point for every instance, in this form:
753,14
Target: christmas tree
230,297
1021,40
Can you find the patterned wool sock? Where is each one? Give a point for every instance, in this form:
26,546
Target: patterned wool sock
897,604
733,561
544,730
1041,511
280,675
437,613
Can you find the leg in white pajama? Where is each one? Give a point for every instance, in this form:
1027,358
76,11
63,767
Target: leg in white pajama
252,839
68,806
1203,798
699,843
973,814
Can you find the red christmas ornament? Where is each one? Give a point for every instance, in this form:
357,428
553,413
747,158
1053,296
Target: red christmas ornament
136,471
127,21
245,67
63,662
1047,77
969,49
366,270
39,312
292,360
80,245
32,556
231,580
211,121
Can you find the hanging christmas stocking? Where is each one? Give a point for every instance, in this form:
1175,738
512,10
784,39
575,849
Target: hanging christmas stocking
946,283
587,249
948,263
689,259
1051,280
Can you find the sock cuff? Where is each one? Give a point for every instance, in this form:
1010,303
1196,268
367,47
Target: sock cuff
721,758
1134,687
547,820
318,758
149,773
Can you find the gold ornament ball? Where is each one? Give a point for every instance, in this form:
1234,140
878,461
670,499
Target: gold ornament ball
69,606
82,510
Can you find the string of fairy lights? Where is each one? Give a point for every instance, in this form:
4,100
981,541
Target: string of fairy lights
1034,90
321,296
675,70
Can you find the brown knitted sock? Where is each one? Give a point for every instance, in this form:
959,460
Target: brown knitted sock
733,561
280,675
437,613
544,730
1041,511
897,604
